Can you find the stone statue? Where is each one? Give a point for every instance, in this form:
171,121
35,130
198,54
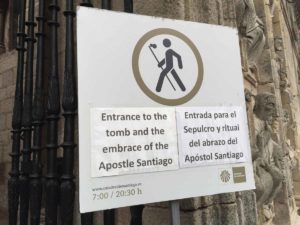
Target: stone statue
251,27
267,154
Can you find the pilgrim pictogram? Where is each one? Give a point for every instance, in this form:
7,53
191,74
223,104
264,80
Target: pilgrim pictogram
167,66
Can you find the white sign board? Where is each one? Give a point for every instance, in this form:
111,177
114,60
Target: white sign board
161,108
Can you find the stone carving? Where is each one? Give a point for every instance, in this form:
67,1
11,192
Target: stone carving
289,155
251,27
298,13
279,63
248,95
267,154
292,14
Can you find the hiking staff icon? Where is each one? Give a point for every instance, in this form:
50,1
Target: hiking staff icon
154,46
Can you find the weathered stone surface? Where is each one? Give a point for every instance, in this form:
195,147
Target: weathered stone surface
3,94
250,27
3,216
123,216
206,216
229,214
7,78
164,8
265,68
10,91
267,154
229,13
248,208
6,105
161,216
196,203
204,11
160,204
3,191
224,214
3,122
225,198
282,212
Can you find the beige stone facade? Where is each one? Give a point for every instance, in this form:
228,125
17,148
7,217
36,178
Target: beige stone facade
270,57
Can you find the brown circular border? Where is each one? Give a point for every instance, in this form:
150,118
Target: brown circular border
141,83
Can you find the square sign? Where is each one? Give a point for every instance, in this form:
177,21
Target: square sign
161,107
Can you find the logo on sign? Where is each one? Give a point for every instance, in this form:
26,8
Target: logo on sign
167,66
239,174
225,176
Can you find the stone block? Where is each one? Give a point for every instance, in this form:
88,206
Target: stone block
196,203
3,175
7,78
229,214
224,214
5,137
248,207
7,150
229,13
123,216
161,216
286,97
10,91
118,5
160,204
163,8
3,215
281,207
6,105
204,11
9,61
8,121
1,82
3,190
260,8
2,94
98,216
155,215
3,122
265,67
189,203
206,216
225,198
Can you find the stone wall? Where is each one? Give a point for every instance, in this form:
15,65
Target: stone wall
270,61
7,85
